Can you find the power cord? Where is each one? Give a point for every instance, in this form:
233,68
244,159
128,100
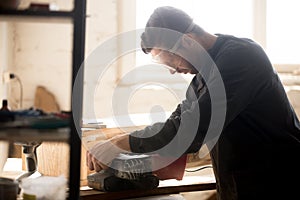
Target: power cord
200,168
14,76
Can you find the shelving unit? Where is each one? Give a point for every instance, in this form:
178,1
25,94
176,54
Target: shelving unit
70,135
31,13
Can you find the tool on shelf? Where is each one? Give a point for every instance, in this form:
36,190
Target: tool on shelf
29,150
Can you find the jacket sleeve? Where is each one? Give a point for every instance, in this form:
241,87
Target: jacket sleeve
173,137
201,119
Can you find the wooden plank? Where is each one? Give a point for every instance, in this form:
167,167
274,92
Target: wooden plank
53,157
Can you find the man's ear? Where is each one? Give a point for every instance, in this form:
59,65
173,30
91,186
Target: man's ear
187,40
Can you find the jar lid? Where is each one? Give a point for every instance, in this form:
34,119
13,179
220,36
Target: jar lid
7,181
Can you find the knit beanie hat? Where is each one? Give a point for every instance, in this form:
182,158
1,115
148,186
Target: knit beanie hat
160,24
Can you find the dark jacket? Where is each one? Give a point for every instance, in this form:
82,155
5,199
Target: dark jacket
257,152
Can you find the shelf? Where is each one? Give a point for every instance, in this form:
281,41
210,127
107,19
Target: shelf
36,16
38,135
77,18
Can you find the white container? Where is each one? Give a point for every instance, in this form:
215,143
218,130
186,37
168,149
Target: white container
44,188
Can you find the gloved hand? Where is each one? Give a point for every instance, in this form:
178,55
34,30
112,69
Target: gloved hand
101,154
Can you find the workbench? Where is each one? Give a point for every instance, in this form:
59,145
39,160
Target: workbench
203,180
192,181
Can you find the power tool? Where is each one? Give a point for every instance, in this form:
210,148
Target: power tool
126,172
133,171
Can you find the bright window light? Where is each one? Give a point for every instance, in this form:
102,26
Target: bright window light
216,16
233,17
283,30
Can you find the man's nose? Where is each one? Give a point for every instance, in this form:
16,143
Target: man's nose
172,71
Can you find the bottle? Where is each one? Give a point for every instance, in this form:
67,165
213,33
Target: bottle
4,105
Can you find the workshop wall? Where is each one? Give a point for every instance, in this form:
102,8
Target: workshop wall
37,51
41,56
41,52
2,56
5,54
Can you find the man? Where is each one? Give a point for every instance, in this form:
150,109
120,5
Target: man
256,153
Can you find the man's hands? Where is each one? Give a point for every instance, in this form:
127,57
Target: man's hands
101,154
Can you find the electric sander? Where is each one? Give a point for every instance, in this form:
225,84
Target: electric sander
126,172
